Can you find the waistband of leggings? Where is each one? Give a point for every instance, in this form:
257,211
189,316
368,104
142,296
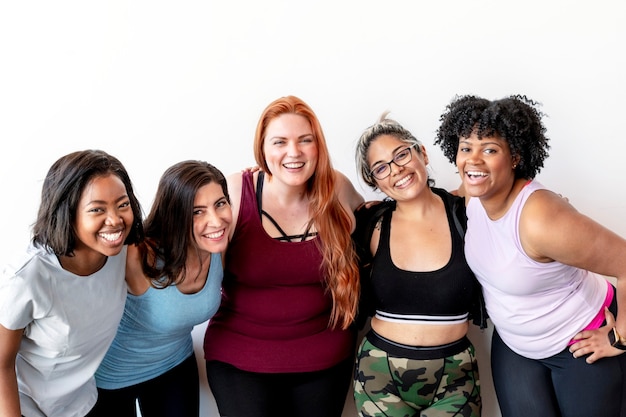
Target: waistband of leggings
417,352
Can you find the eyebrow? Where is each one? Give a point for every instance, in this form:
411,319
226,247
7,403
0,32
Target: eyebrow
120,198
481,142
394,152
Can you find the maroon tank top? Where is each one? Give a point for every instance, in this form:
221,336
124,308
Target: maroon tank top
275,310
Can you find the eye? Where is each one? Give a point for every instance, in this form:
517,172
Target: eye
400,156
380,170
125,204
197,212
221,203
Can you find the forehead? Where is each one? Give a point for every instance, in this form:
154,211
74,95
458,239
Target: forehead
105,187
385,145
495,137
287,125
208,192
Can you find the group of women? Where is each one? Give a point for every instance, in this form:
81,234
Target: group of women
288,264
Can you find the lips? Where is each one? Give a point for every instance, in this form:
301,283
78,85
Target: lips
294,165
111,236
476,174
403,181
215,235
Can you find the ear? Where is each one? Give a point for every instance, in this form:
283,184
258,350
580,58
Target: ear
424,154
515,161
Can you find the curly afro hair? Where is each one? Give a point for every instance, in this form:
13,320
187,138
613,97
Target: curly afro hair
516,119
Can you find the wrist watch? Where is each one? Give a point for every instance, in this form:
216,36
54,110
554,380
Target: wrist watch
616,340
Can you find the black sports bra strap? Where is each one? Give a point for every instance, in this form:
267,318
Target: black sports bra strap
259,192
259,198
270,218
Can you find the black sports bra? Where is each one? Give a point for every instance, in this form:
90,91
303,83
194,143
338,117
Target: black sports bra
441,296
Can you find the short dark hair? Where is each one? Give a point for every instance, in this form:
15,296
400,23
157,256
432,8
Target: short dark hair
61,192
516,119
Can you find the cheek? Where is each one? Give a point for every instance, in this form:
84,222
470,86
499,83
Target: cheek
129,218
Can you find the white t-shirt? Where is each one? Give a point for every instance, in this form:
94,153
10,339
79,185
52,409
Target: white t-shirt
69,323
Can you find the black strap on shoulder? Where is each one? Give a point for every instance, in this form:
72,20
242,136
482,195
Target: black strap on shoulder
259,192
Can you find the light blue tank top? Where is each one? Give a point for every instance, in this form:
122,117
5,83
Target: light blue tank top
154,335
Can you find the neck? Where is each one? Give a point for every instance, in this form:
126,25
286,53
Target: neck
498,205
285,194
82,265
420,206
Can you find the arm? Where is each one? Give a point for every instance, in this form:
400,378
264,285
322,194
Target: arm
551,229
9,397
349,198
234,183
348,195
136,280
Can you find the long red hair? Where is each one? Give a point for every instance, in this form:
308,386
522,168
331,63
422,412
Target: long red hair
330,218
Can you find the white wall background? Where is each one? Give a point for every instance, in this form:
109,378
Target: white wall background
156,82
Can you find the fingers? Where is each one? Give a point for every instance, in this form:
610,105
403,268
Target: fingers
592,358
610,319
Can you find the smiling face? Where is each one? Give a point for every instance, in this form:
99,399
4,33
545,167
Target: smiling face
212,217
104,217
403,182
290,149
486,166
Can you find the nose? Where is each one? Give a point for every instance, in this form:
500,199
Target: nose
212,219
473,156
293,149
114,218
395,168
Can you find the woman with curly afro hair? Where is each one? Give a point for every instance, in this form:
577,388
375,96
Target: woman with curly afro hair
558,337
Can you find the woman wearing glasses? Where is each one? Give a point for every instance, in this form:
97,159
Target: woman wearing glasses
416,285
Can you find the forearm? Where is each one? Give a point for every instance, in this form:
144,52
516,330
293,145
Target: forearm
9,397
620,296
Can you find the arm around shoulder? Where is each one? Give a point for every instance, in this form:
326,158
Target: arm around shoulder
347,194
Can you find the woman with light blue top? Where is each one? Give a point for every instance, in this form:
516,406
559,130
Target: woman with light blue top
174,283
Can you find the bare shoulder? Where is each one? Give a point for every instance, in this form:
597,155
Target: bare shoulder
234,182
235,185
552,229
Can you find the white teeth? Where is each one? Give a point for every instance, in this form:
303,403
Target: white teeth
294,165
111,237
476,174
216,234
403,181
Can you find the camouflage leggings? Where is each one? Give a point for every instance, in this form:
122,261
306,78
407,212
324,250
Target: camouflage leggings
393,380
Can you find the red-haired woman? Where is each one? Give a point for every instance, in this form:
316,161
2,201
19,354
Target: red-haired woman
282,341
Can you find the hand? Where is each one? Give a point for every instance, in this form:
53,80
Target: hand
368,204
251,169
595,343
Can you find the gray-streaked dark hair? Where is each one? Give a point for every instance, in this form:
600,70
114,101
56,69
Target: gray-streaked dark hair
384,126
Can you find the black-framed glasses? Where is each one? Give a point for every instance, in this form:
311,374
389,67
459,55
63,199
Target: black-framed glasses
383,170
